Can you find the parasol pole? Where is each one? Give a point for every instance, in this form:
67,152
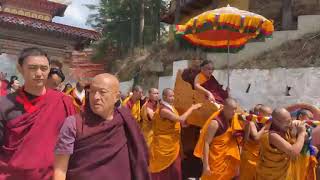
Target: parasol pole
228,60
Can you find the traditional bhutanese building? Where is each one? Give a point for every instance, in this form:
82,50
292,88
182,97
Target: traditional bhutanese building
28,23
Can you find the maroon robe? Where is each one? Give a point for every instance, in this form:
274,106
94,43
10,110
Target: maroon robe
211,85
216,89
29,137
108,150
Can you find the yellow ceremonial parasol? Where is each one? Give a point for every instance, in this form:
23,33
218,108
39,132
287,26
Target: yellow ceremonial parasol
226,29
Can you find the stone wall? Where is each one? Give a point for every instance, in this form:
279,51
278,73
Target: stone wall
267,86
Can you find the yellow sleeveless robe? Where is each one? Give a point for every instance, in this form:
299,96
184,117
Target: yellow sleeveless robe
201,78
249,159
146,125
135,110
224,155
165,146
277,165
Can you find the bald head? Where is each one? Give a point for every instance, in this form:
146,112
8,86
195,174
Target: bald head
281,118
103,94
151,90
153,94
256,109
279,113
230,102
265,110
166,91
107,80
168,95
137,93
137,88
229,108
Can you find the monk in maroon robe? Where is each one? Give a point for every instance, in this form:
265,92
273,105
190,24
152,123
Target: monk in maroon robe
30,120
103,142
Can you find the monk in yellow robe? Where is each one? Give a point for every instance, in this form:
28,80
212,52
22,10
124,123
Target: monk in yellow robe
78,95
206,83
134,103
218,146
147,113
251,147
165,162
280,153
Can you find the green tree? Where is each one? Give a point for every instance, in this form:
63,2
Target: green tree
126,24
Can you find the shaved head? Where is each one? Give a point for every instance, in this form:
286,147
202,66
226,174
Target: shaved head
257,108
230,102
166,91
151,90
137,93
168,95
281,118
137,88
229,108
265,110
153,94
278,113
108,80
103,94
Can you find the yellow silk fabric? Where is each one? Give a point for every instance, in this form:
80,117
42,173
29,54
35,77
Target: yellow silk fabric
249,159
146,125
277,165
224,155
135,110
165,146
201,78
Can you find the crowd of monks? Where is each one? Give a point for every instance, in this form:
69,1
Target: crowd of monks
228,146
90,132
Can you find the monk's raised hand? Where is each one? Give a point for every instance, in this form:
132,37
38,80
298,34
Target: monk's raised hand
196,106
301,128
211,98
267,125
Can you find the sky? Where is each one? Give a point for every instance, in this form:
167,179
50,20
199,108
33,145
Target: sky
76,14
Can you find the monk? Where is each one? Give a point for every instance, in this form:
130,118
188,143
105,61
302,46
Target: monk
103,142
55,78
256,109
280,154
147,113
30,120
165,162
251,147
78,95
206,83
134,103
217,145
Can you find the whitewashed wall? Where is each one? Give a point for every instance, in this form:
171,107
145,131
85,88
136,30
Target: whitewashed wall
267,86
8,65
126,86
